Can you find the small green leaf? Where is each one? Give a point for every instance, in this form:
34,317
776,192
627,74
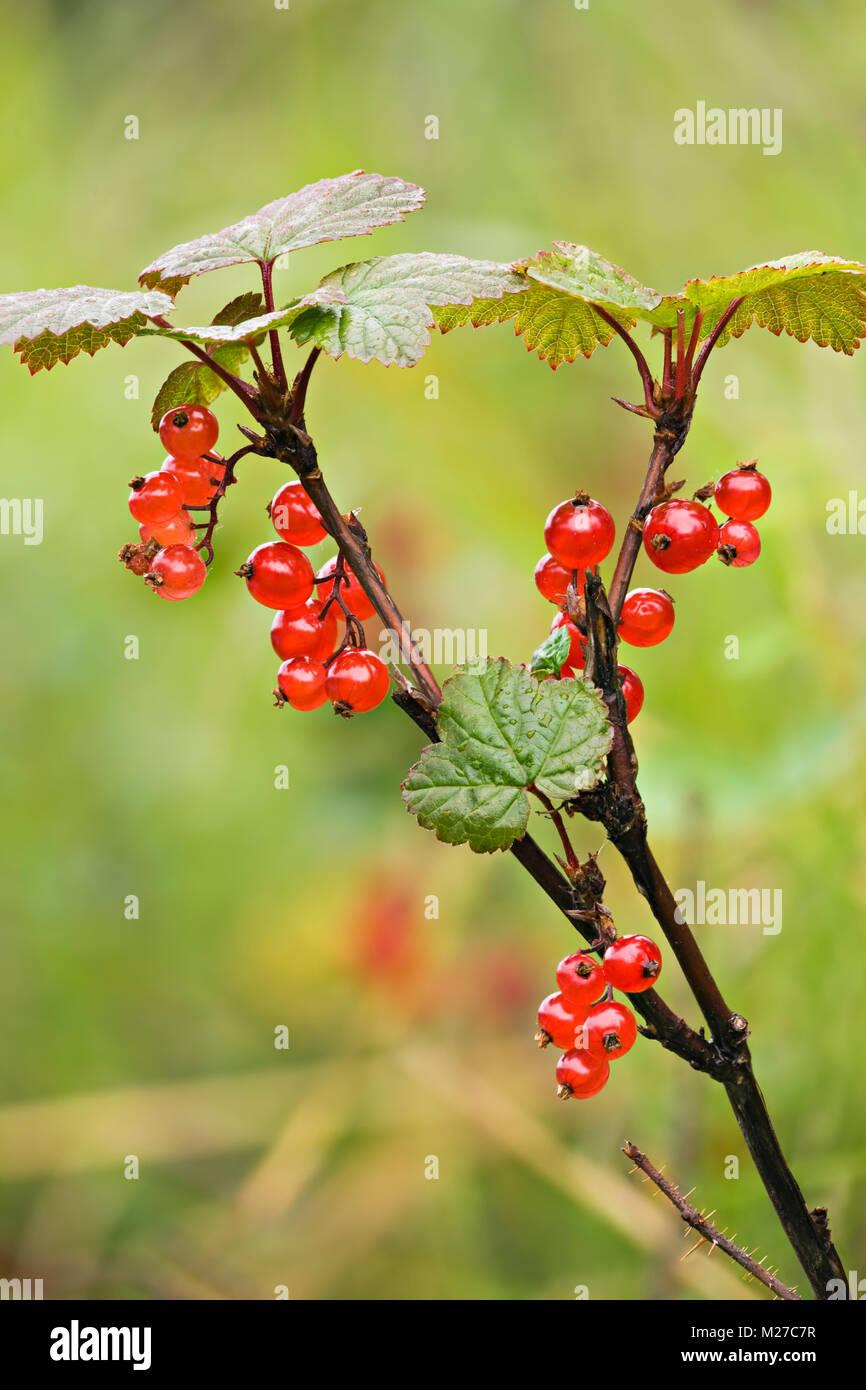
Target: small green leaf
502,732
192,383
809,295
50,326
348,206
245,306
388,309
547,660
252,329
579,271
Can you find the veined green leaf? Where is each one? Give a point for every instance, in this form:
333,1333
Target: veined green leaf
503,731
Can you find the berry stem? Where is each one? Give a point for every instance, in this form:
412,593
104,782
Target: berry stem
279,371
710,1234
646,375
300,384
225,482
571,858
670,435
711,342
234,383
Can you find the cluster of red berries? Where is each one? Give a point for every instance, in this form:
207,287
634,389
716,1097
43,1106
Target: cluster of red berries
315,667
678,536
167,556
585,1021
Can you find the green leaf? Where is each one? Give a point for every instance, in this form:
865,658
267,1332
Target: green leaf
192,383
547,659
388,310
502,732
554,315
50,326
578,271
809,296
245,306
252,328
351,205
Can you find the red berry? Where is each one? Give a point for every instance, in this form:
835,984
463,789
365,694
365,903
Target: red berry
350,590
301,632
552,579
576,651
744,493
155,497
296,518
358,679
610,1030
632,691
559,1021
177,572
302,681
179,530
647,617
581,1075
197,480
632,964
579,532
679,535
580,978
739,544
278,575
188,431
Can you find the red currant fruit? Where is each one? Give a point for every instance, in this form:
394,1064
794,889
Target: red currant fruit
301,632
278,575
188,431
744,493
559,1021
647,617
580,978
154,498
552,579
358,680
632,964
177,572
350,590
302,681
577,649
179,530
739,544
609,1030
579,532
581,1075
296,518
679,535
632,691
197,481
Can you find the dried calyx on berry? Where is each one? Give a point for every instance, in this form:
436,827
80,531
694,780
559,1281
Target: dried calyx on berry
139,558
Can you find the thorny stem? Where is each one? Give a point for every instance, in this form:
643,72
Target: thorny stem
267,269
710,1234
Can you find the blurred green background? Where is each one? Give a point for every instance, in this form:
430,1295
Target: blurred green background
412,1037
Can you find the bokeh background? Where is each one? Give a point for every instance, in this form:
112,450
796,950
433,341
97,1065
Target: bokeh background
412,1037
